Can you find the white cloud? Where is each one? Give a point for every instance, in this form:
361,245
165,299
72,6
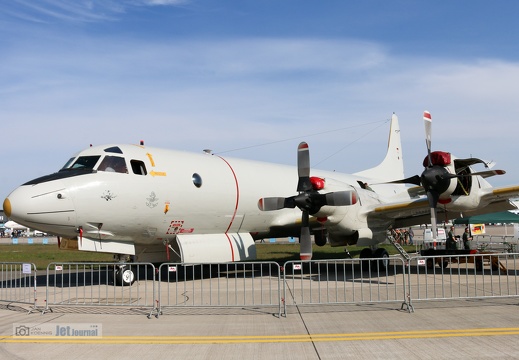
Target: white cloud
77,10
60,96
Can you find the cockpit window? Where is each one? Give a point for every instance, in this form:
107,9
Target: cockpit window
138,167
69,162
114,149
113,164
82,162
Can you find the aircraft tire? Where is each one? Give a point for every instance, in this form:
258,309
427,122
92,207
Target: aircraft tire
124,276
366,253
383,259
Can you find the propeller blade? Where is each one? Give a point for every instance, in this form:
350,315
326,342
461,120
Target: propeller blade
303,167
487,173
272,203
483,174
341,198
433,198
305,241
473,161
314,202
428,132
415,180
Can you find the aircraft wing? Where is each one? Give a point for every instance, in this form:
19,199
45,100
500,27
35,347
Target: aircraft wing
499,194
401,214
497,199
416,212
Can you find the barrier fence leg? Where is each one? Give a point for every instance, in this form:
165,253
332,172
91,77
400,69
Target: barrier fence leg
34,307
155,310
407,290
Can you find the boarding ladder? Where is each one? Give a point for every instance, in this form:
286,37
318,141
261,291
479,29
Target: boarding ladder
400,249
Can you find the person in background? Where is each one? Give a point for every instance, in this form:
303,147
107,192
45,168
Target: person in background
466,238
450,244
411,235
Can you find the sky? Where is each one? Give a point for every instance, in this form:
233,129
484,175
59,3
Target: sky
251,79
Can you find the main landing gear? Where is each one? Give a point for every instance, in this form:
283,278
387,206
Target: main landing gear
380,256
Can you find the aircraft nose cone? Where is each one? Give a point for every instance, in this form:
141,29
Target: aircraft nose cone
7,207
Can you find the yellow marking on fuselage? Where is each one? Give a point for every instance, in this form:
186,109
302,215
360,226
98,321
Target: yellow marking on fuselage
157,173
151,159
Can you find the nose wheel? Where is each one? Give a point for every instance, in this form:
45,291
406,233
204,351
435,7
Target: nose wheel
124,275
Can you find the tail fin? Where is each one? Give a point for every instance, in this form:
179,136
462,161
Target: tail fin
392,167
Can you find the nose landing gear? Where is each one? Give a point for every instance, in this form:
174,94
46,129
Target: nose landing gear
125,273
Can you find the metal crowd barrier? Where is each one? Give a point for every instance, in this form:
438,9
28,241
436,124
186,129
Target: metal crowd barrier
464,276
498,243
264,285
93,284
245,284
18,283
344,281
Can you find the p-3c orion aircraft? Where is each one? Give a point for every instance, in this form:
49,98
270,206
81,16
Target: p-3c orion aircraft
147,204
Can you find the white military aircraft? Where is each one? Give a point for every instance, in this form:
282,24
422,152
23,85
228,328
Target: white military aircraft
152,205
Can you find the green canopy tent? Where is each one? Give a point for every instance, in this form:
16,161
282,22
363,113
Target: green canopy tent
505,217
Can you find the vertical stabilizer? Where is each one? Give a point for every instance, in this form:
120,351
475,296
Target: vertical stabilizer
392,167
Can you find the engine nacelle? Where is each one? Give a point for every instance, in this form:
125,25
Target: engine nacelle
215,248
320,237
362,235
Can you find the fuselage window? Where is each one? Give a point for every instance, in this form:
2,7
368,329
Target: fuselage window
138,167
83,162
113,164
197,180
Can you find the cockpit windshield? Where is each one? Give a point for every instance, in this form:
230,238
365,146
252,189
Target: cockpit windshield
69,162
86,165
82,162
113,164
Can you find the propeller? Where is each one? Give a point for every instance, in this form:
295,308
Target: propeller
433,177
436,179
308,200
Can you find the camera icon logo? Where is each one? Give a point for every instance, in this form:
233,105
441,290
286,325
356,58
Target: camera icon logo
22,331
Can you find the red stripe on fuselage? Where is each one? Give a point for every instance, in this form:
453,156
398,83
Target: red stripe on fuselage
235,205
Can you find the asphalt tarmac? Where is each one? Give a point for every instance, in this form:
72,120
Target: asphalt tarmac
464,329
437,329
